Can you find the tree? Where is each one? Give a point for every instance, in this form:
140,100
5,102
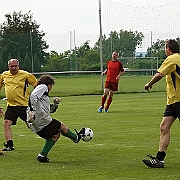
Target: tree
129,41
2,64
157,49
87,58
20,36
125,42
37,65
26,64
57,62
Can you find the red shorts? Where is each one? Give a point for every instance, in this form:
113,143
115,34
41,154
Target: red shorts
113,86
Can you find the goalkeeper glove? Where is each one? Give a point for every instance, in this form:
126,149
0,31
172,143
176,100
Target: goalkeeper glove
56,101
54,106
31,116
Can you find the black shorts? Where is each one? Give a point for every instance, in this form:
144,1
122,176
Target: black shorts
50,130
173,110
13,112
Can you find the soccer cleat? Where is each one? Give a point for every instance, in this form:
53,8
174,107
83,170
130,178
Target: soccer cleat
153,162
7,147
79,134
106,110
2,153
100,109
42,158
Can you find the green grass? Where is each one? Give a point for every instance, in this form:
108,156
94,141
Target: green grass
122,138
91,85
84,85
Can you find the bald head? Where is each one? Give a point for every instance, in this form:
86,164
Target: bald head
13,65
115,55
11,60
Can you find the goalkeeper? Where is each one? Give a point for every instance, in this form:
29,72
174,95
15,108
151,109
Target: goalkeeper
40,121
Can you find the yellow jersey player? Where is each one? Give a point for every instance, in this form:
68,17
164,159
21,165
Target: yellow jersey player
171,69
16,83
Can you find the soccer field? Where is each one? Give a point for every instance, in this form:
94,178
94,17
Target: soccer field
122,138
91,85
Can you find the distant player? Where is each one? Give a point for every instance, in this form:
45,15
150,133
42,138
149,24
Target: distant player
114,70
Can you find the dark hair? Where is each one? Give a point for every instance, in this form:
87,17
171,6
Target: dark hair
46,79
173,45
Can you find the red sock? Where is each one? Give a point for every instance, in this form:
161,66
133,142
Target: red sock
108,103
103,101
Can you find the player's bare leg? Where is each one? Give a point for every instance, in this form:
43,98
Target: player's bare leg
7,130
165,132
8,135
158,161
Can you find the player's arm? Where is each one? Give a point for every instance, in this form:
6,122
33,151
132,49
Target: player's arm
1,81
35,95
121,72
54,105
1,112
119,75
104,72
1,108
31,109
32,80
158,76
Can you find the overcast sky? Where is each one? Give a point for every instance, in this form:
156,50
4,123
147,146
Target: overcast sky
58,17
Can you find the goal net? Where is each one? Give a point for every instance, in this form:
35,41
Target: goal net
155,22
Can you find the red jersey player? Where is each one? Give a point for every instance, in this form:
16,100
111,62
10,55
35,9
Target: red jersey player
114,69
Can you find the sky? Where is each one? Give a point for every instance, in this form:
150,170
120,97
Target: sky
67,23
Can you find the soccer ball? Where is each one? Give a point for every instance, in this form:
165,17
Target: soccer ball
88,134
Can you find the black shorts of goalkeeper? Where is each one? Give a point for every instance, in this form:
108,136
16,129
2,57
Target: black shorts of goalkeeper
50,130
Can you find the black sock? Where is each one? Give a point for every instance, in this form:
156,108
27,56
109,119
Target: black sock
161,155
10,143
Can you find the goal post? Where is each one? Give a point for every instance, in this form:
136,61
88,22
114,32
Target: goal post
140,65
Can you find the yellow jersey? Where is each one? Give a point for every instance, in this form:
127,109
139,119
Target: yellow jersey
171,69
16,87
